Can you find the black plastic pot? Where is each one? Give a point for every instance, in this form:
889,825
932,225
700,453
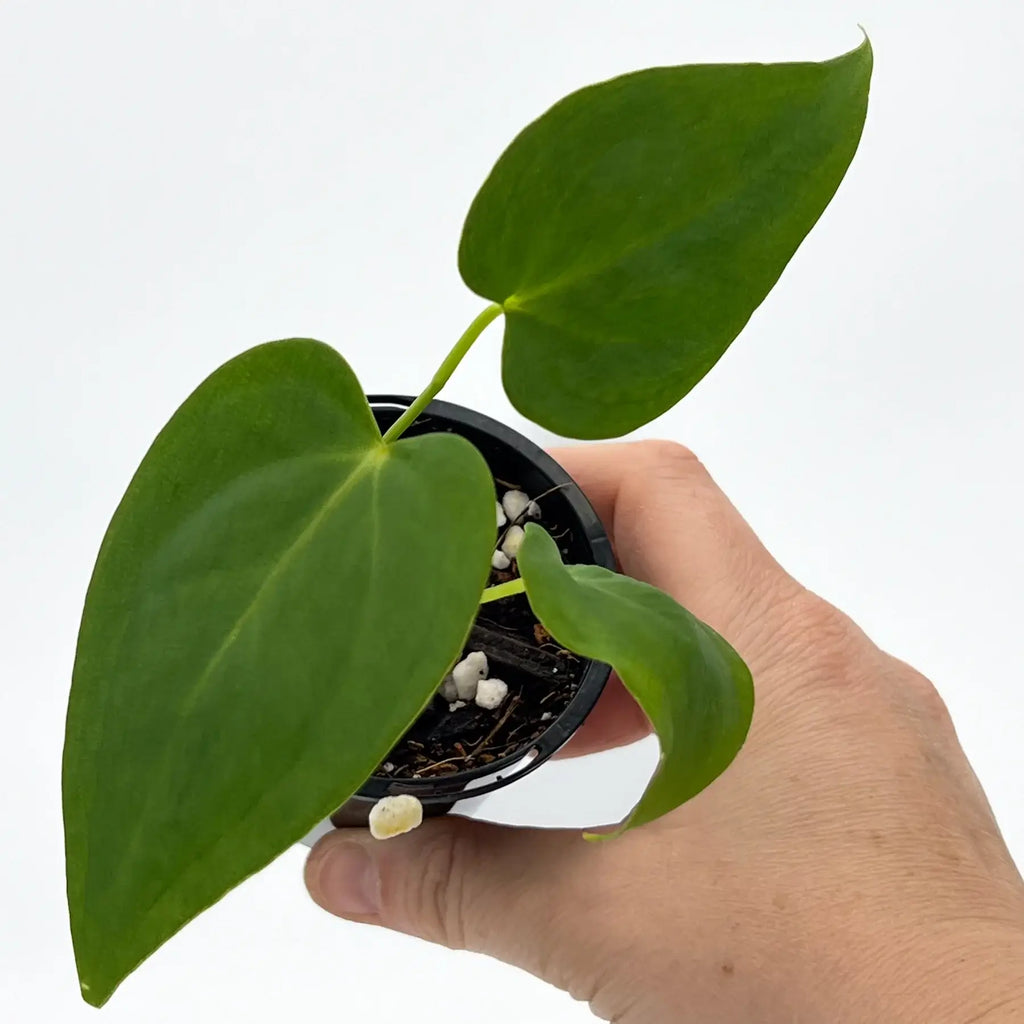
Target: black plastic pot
510,457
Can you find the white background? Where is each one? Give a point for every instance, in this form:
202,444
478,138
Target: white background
179,181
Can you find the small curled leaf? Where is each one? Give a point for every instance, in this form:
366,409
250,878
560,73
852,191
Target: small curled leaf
694,688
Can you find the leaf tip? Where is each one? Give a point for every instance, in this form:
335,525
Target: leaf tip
606,832
93,995
864,52
98,976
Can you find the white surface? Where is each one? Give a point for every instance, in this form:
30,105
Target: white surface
182,180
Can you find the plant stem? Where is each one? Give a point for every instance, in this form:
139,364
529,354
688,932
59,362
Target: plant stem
444,371
513,587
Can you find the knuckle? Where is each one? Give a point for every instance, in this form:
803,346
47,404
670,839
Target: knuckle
920,693
673,472
669,458
830,653
830,629
930,701
825,642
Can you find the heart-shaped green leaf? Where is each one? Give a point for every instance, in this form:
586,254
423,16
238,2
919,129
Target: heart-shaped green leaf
691,684
276,598
632,230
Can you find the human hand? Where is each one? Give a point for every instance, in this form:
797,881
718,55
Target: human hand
845,868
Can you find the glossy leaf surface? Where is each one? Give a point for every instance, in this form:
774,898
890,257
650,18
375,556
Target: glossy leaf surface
275,600
631,231
694,688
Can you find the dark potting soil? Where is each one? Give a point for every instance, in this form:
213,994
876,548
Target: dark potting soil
542,679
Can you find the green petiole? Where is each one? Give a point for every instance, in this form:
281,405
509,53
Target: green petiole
509,589
444,372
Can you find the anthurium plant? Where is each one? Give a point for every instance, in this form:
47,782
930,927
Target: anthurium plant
252,645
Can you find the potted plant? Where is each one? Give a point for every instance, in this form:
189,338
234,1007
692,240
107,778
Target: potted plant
309,600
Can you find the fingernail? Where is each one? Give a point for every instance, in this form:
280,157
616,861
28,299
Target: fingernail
347,881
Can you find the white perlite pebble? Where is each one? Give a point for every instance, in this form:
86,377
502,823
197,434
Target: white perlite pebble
468,673
455,705
448,690
499,560
515,503
501,514
394,815
518,504
513,541
490,693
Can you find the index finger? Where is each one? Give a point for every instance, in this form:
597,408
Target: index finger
671,526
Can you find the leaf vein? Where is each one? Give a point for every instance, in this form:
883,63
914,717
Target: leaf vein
366,463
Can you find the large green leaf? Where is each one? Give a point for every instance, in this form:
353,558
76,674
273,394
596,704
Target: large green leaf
632,230
691,684
275,600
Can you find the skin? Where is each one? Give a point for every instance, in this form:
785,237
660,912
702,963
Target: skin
846,868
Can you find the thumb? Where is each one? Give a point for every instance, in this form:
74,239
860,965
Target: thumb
516,894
